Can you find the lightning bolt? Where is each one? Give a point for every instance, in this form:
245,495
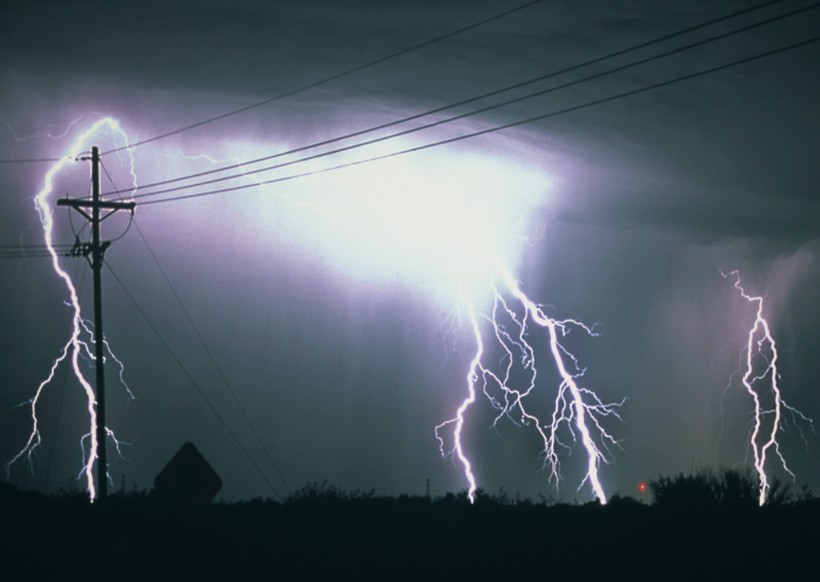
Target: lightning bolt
577,412
761,379
76,347
87,327
576,409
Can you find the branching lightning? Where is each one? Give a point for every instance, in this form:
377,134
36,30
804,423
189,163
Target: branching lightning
87,327
458,238
464,222
761,379
455,203
76,347
576,408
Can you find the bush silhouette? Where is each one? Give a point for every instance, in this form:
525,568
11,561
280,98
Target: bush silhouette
324,492
705,488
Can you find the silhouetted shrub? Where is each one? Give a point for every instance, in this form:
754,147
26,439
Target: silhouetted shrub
623,501
323,532
728,488
323,492
460,498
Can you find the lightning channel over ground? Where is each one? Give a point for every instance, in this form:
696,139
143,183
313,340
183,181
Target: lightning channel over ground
472,237
761,379
454,199
76,347
575,408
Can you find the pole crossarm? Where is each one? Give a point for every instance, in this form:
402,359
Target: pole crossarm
129,205
79,204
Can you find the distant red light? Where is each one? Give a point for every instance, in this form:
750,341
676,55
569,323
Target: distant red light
642,487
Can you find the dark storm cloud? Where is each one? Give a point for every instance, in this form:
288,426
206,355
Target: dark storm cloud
775,226
247,48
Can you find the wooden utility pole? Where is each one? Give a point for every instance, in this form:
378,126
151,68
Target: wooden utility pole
96,250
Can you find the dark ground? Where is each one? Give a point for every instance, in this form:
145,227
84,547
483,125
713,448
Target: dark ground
323,534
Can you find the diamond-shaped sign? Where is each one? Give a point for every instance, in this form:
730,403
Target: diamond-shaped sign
188,478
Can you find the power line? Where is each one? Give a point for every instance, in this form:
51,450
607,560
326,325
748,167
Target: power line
471,100
211,357
500,127
31,246
327,79
29,160
130,214
193,382
201,340
34,251
95,156
25,255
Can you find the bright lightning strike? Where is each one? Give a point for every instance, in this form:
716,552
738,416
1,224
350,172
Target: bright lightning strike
76,347
454,224
87,326
761,379
577,408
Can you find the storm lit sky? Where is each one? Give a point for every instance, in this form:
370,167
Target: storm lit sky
334,304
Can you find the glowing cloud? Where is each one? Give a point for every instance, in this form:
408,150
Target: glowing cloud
440,222
453,223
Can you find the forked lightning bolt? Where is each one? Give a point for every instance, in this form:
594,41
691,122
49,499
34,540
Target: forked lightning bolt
577,412
576,408
761,379
76,347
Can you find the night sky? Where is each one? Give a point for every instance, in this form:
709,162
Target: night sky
328,302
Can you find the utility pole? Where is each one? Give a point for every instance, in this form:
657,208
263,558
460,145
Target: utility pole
96,250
